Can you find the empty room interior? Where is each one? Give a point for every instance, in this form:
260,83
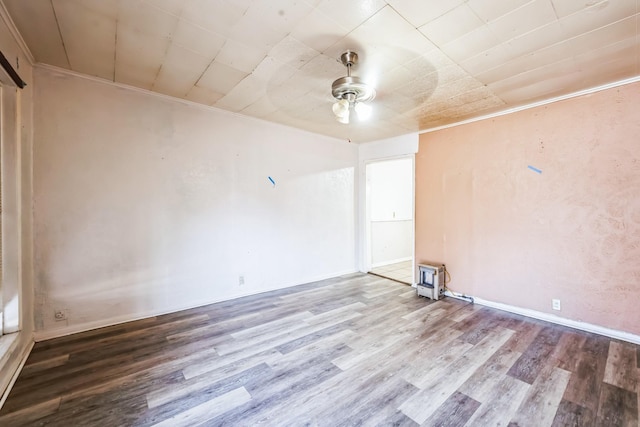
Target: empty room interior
320,212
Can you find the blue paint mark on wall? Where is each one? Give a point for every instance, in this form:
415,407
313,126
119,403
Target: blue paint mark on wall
534,169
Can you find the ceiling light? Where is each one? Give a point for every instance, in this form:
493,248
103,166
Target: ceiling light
351,92
363,110
344,119
341,108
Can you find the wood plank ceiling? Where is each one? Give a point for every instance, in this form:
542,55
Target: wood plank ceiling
432,62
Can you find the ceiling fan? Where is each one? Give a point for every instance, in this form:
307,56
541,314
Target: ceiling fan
351,93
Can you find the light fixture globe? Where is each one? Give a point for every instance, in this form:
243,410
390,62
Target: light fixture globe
350,92
341,108
344,120
363,110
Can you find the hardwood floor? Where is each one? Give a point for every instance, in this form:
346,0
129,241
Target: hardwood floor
354,350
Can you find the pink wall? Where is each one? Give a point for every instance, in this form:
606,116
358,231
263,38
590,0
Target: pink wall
511,235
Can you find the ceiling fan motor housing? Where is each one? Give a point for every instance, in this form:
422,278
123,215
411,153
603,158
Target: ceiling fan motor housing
351,88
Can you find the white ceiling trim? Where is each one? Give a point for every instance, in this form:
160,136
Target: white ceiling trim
536,104
11,26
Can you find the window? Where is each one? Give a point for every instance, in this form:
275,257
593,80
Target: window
10,247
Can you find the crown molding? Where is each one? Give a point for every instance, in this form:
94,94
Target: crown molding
537,104
17,37
147,92
174,99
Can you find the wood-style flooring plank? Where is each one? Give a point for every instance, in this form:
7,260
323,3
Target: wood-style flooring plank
618,407
536,356
272,328
242,348
203,381
92,381
570,414
123,396
208,410
432,368
311,350
487,322
487,376
584,385
36,368
223,365
311,338
568,350
45,350
455,411
270,396
621,370
351,350
383,412
422,312
362,355
428,323
306,405
500,403
169,405
465,312
539,407
380,393
30,414
526,330
347,311
435,392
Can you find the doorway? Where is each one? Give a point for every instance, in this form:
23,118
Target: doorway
390,222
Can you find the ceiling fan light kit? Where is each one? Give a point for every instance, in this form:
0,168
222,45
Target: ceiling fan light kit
351,92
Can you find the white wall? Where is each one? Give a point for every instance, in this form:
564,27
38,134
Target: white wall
391,242
386,149
146,205
390,190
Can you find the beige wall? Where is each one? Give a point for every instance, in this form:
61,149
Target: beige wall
508,234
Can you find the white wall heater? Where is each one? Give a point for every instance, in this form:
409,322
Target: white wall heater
430,281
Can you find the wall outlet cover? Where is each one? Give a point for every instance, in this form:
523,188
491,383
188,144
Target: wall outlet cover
60,315
555,304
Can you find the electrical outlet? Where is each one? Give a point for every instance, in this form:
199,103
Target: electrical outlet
240,280
555,304
60,315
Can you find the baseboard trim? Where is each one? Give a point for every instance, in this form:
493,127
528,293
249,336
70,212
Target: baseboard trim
104,323
23,359
551,318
